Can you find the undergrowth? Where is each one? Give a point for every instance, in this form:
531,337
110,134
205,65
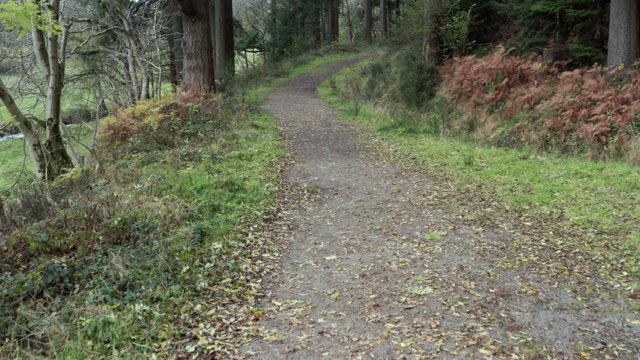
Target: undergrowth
128,260
524,102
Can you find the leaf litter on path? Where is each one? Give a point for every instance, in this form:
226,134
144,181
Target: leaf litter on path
385,261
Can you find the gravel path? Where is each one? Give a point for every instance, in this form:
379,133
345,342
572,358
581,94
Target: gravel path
379,262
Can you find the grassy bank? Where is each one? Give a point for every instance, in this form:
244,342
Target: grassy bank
593,206
157,254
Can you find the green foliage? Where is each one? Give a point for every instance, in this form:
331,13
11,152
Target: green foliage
296,28
412,28
124,258
454,28
19,15
417,80
15,15
580,24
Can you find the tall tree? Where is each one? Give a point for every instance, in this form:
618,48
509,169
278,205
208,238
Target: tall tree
623,33
49,155
384,18
224,49
430,42
175,46
198,63
334,15
368,5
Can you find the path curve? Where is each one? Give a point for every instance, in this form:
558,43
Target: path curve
377,266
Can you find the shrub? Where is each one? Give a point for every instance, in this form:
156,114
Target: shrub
417,80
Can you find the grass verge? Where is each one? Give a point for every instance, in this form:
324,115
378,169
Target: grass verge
596,205
129,261
159,253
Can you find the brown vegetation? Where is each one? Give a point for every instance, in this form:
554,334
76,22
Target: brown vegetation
594,109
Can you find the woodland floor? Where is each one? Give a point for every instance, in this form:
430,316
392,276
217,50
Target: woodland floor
382,260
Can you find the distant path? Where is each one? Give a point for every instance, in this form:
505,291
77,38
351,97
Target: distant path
380,265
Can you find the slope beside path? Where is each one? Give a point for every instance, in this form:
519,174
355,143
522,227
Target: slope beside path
378,263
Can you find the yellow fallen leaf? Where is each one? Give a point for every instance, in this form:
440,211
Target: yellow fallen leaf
633,322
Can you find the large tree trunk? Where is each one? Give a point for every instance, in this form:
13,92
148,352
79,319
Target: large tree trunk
368,4
334,16
623,33
317,23
197,48
225,52
56,154
384,18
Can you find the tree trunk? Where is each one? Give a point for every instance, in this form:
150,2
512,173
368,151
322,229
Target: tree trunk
197,47
56,154
133,73
384,18
175,47
39,44
430,41
623,33
334,16
225,52
317,23
349,20
368,4
31,136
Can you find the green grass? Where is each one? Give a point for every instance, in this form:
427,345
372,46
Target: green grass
73,98
150,242
156,249
600,201
290,68
15,162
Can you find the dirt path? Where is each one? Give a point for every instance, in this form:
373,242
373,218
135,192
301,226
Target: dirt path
380,263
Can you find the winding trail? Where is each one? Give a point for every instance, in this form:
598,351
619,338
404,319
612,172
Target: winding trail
379,263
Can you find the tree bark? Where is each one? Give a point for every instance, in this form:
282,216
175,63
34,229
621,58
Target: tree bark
176,47
31,136
334,16
623,33
349,20
39,43
368,4
225,52
56,154
198,70
430,41
384,18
